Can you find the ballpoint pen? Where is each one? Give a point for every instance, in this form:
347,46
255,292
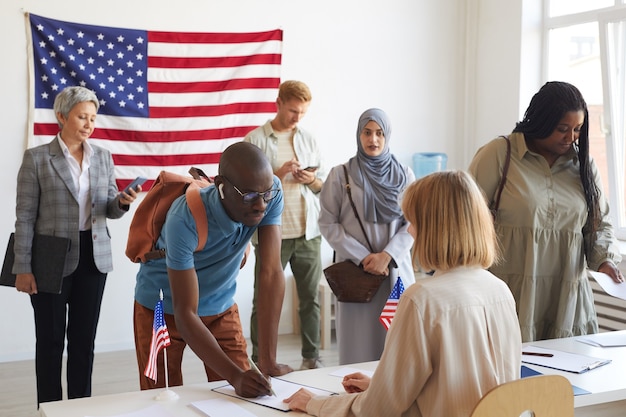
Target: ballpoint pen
545,355
256,369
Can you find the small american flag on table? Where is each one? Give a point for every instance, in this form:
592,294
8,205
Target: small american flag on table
389,311
160,340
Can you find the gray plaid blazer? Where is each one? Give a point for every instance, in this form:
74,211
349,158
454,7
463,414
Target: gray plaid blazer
47,204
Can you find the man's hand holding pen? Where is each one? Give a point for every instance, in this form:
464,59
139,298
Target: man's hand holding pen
251,384
257,384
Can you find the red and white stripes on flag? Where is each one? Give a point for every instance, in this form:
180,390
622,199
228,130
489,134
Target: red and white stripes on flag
389,310
169,100
160,340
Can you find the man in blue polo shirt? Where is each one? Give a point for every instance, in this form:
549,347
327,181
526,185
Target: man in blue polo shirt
199,288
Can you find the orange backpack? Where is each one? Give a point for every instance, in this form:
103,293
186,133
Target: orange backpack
145,228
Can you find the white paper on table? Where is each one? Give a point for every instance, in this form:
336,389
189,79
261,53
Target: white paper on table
609,286
218,407
341,372
152,411
609,339
564,361
283,389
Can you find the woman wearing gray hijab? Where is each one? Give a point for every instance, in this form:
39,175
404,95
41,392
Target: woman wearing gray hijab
377,181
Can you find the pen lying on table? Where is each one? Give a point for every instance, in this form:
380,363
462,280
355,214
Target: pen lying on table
545,355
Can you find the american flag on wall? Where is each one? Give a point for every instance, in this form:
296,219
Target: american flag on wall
389,310
169,100
160,340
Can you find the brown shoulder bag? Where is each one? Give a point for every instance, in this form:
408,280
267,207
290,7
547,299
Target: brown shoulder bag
349,282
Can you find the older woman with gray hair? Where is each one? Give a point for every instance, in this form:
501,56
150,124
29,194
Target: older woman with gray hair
67,188
377,181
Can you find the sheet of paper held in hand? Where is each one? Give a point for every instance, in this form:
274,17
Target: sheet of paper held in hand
284,389
609,286
564,361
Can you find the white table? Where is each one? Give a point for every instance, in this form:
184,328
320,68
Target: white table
606,384
115,404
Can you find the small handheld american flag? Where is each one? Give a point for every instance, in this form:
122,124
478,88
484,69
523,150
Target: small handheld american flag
389,311
160,339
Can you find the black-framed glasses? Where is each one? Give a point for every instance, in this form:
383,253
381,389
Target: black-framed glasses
252,196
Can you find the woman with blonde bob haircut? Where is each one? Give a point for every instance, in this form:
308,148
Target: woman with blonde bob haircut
451,222
455,335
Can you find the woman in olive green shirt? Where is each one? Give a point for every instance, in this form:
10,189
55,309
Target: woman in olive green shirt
553,219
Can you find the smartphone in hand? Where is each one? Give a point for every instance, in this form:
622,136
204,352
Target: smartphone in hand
136,182
310,169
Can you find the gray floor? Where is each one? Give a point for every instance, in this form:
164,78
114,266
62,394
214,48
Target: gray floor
117,372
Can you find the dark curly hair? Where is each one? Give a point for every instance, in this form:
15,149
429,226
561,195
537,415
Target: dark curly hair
547,107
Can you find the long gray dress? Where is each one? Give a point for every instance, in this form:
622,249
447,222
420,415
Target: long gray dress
360,335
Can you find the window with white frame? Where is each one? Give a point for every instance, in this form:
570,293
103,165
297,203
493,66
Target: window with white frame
585,44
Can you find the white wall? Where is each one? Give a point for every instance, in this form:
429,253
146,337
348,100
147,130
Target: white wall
408,57
505,70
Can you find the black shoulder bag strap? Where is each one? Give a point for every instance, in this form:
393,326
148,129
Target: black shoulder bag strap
354,208
505,171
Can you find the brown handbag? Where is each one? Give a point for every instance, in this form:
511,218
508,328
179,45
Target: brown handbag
349,282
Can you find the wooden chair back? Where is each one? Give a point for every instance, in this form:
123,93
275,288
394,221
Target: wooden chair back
535,396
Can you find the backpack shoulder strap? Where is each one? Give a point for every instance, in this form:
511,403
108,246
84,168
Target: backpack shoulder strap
194,201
